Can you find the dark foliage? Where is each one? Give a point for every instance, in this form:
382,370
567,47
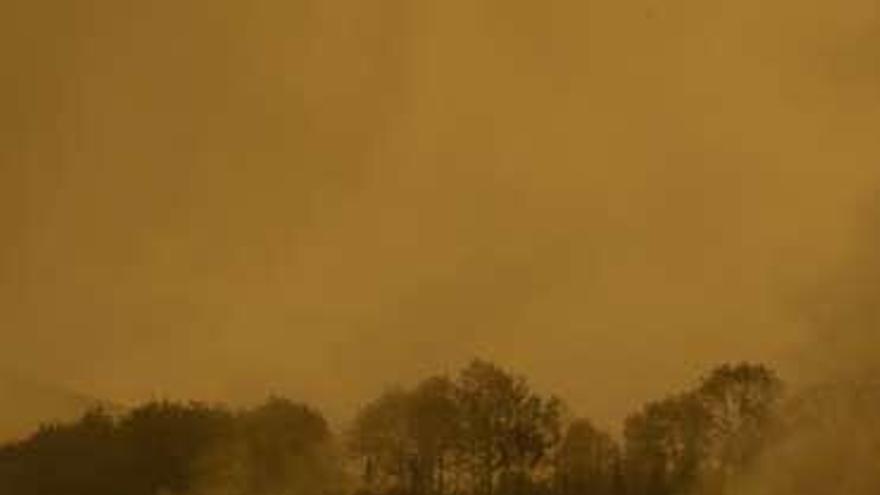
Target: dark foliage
168,448
483,432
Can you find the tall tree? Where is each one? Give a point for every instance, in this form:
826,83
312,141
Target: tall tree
587,462
407,438
699,439
483,431
664,443
741,404
434,428
381,437
507,429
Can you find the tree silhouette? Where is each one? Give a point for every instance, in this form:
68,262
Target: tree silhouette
506,429
169,448
483,432
587,461
698,440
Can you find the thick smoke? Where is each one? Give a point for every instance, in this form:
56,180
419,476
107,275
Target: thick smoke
830,442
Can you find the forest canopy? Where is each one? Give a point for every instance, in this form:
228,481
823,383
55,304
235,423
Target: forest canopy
483,431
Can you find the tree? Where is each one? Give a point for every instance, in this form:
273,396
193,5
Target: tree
506,429
381,436
699,439
80,458
483,431
741,404
162,441
286,448
169,448
663,446
587,462
407,437
433,426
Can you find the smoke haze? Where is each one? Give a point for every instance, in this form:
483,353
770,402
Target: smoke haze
831,442
319,198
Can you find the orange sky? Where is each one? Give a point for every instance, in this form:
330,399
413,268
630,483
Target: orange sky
322,198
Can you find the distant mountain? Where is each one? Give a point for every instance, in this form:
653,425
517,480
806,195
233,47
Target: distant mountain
26,403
